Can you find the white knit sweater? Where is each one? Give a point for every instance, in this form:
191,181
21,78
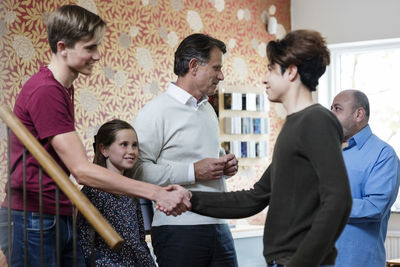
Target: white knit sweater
172,136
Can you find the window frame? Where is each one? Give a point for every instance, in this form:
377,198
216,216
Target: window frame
329,84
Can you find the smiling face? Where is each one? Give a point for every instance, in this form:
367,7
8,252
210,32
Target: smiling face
208,75
123,152
276,84
81,57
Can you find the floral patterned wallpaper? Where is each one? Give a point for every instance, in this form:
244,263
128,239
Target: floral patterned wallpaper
137,56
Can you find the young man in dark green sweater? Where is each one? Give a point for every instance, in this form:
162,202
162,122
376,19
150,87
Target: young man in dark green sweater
306,184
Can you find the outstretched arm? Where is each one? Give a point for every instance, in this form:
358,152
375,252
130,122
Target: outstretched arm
70,149
231,205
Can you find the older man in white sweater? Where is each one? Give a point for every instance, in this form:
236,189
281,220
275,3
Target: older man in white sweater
179,144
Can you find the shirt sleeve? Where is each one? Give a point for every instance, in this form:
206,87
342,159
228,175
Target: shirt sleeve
379,189
233,205
191,175
321,139
148,168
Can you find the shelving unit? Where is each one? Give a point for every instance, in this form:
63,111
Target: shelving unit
225,113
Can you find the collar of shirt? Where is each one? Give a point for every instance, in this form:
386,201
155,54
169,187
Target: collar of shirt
359,138
184,97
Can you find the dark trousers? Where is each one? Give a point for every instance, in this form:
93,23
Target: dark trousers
209,245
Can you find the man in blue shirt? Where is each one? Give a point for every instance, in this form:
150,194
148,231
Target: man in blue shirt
372,167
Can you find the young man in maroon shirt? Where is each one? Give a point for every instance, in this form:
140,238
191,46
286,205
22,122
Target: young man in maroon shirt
45,106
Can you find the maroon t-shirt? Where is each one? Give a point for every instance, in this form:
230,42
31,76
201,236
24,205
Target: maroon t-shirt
46,108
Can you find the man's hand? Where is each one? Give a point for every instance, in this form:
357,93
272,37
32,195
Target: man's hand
231,165
173,200
209,168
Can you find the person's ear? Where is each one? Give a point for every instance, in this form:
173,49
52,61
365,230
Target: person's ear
292,72
193,66
103,150
360,114
61,48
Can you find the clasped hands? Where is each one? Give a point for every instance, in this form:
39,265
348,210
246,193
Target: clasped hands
174,199
214,168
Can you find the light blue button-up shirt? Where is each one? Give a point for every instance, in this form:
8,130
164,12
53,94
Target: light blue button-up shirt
373,168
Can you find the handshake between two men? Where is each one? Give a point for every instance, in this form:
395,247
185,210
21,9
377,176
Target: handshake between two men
174,199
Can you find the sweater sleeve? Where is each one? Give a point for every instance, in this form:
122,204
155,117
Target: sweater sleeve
149,129
320,139
233,205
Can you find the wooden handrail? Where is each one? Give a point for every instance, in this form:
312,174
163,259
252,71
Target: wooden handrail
105,230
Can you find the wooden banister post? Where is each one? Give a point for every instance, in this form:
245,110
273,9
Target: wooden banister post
103,228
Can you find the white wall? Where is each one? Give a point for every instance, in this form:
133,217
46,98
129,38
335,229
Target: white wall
348,20
394,222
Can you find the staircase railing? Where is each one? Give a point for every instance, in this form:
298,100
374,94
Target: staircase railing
78,199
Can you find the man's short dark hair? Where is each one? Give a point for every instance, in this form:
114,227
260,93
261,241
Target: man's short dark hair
197,46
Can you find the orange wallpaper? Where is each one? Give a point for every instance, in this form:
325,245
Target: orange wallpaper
137,55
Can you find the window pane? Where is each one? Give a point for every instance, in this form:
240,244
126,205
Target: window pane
376,73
